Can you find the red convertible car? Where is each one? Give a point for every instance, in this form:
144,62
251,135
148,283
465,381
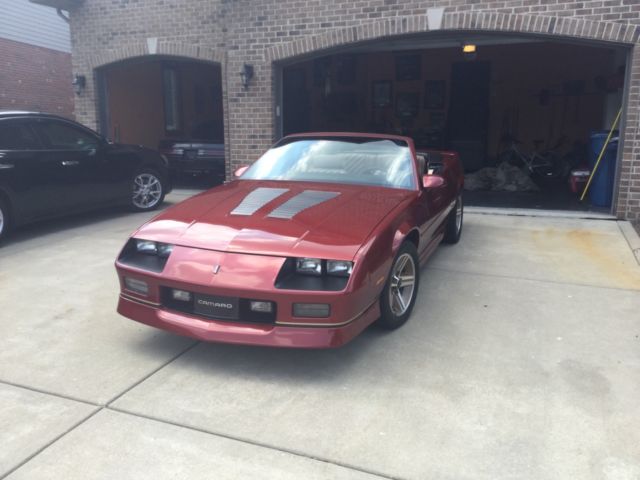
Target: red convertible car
319,238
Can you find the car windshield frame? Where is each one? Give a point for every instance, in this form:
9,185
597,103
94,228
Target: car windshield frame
338,159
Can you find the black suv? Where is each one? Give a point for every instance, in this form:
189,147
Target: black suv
51,166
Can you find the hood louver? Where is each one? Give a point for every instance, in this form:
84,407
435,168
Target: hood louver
302,201
257,199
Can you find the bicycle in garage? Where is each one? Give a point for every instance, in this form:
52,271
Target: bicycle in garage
542,164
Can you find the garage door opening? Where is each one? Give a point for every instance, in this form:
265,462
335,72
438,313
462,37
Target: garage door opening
172,105
525,115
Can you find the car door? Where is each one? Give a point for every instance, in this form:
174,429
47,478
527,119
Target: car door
74,153
121,165
28,182
433,196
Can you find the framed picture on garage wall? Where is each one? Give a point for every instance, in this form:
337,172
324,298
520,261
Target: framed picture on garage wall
435,92
381,94
408,67
407,104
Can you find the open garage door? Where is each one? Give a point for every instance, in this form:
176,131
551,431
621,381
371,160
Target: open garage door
168,104
527,116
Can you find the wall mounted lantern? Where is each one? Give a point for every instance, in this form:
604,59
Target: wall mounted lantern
79,82
246,74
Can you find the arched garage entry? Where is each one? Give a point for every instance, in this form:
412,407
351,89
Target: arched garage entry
169,103
531,93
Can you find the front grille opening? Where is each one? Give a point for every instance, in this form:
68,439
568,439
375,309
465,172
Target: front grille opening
246,315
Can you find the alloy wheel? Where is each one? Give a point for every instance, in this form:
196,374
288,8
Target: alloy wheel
402,286
147,191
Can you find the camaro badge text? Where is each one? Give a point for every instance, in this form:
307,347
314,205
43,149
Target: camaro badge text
216,269
207,303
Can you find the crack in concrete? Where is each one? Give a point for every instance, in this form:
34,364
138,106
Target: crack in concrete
47,445
53,394
254,443
99,407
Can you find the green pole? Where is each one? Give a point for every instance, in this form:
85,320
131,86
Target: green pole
604,147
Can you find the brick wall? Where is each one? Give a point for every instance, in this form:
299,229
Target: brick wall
35,78
265,32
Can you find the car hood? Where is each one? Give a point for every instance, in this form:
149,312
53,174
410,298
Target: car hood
293,219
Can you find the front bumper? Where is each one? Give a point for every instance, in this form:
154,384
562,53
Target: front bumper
272,335
242,277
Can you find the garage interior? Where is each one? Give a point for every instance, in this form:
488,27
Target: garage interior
162,100
480,96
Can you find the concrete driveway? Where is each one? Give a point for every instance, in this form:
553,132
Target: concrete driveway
521,361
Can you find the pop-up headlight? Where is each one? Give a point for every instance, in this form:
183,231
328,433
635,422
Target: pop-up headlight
314,274
154,248
339,267
145,254
309,266
146,246
164,249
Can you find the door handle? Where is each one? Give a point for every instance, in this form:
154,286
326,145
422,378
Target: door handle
6,166
70,163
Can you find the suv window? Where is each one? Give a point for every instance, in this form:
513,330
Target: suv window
17,135
63,136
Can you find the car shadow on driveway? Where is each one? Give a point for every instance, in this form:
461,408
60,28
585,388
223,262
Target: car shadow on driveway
55,226
283,364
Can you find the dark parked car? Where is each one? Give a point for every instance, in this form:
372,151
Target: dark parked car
195,157
51,166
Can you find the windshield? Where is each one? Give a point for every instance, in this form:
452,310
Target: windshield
363,161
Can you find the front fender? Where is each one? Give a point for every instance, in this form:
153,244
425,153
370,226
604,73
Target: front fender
377,254
404,231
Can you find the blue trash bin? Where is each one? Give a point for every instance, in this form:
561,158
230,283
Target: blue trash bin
601,189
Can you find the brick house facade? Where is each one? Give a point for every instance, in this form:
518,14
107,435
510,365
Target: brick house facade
267,33
35,60
35,78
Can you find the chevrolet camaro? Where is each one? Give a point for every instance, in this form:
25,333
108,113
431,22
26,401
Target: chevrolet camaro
319,238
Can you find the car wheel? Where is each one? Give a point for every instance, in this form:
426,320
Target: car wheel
147,191
453,229
4,219
400,291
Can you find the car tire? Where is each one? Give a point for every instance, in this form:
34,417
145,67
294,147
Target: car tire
397,299
453,228
147,190
5,219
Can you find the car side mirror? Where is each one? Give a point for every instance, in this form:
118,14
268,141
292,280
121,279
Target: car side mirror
238,173
432,181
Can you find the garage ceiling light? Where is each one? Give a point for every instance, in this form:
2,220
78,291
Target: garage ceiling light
469,51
